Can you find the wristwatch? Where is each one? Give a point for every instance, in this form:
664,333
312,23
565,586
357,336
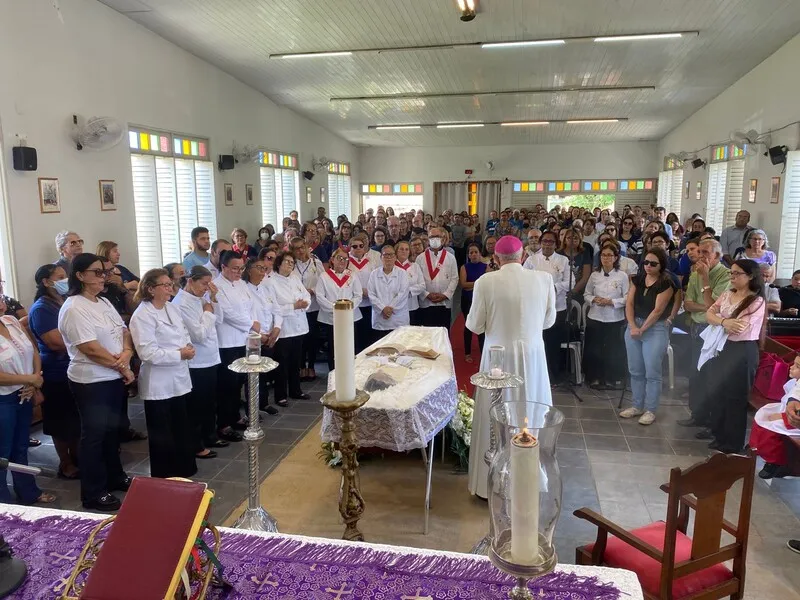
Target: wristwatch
704,288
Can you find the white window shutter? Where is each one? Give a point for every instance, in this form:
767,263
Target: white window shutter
145,202
675,193
288,185
167,210
206,198
715,199
339,195
333,198
187,202
788,259
734,188
664,182
269,214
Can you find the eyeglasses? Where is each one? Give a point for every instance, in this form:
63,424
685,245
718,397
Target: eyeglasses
166,286
339,257
356,246
609,256
98,272
260,268
76,243
736,273
388,255
235,269
651,263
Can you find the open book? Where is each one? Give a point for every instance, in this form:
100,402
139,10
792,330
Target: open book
398,350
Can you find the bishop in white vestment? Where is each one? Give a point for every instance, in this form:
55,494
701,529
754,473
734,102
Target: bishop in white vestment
512,307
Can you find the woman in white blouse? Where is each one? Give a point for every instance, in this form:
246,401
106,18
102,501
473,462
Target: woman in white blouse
264,296
308,268
293,299
416,283
100,349
20,384
604,359
337,283
388,293
197,303
361,265
239,317
162,343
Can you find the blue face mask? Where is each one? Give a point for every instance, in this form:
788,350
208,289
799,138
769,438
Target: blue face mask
61,286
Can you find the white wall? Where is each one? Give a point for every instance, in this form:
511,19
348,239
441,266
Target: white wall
96,62
553,161
766,98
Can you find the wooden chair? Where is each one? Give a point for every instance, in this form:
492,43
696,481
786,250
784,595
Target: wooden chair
670,565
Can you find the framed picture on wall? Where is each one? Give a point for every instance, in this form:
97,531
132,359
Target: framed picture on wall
698,195
686,191
308,194
775,190
751,198
108,194
228,194
49,195
322,194
248,194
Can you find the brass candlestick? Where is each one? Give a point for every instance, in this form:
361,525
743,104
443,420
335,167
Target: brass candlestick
351,504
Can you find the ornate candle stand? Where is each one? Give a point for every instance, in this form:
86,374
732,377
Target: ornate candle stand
495,385
254,518
351,504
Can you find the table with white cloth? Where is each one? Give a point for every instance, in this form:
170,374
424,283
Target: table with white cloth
408,415
271,566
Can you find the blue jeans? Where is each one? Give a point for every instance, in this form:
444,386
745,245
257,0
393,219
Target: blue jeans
645,358
15,425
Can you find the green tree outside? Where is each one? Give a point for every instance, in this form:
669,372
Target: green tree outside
585,201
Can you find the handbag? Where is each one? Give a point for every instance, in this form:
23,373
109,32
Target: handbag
772,373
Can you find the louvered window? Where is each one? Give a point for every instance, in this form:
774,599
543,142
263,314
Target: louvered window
280,195
670,190
339,190
789,249
715,200
171,195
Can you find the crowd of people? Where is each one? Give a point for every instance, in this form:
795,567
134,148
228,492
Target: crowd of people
98,334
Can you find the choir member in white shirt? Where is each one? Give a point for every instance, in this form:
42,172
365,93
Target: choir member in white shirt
361,265
416,284
557,265
264,296
217,248
604,358
388,292
308,268
293,299
337,283
239,318
440,273
100,349
163,345
197,303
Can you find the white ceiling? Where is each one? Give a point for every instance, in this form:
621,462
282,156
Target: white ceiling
239,35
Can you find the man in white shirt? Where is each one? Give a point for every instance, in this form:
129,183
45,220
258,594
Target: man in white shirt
732,238
558,266
440,272
218,247
512,306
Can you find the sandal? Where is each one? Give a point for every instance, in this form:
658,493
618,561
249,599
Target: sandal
34,443
45,498
208,454
282,402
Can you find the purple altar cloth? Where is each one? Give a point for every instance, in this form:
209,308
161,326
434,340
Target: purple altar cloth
271,567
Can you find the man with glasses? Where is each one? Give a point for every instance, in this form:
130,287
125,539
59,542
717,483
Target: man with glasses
440,272
69,244
709,279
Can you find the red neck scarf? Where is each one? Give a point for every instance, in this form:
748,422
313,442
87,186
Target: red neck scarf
336,280
359,265
432,273
405,267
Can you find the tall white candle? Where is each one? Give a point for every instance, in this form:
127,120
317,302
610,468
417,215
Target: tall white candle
525,498
344,352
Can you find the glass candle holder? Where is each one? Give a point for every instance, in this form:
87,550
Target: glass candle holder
524,488
253,348
497,355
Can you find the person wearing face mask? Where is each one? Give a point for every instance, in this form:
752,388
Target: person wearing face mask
440,272
264,235
59,411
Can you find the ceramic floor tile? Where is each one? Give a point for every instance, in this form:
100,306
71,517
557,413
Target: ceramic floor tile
595,427
606,442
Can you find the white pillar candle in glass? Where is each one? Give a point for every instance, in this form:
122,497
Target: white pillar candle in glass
524,470
344,353
497,356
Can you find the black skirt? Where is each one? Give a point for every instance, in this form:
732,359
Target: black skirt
60,415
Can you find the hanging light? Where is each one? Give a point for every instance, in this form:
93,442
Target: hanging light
467,8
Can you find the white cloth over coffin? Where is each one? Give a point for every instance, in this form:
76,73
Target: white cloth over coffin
512,306
407,415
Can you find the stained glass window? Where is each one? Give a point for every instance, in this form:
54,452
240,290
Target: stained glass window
277,159
563,186
727,152
141,141
599,185
472,199
190,147
529,186
629,185
393,189
339,168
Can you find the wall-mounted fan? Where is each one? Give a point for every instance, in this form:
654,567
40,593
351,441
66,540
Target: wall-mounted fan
97,133
245,154
750,140
320,164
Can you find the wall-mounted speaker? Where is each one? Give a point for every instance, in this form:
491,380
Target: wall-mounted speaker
777,154
24,158
697,163
308,175
226,162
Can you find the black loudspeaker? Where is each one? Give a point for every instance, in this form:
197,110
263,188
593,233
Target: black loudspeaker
698,162
308,175
777,154
24,158
226,162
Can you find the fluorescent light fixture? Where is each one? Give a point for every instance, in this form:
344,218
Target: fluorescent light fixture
523,43
580,121
318,54
523,123
457,125
398,126
636,37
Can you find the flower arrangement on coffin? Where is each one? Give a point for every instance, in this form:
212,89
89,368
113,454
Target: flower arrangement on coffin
461,426
330,454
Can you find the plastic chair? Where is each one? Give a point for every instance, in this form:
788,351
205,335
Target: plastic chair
575,348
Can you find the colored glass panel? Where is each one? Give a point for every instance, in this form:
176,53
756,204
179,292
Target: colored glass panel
153,142
176,144
187,147
551,187
396,188
648,185
144,141
372,188
525,186
202,149
640,185
623,185
612,185
517,186
164,144
365,189
194,149
603,186
587,185
133,140
404,189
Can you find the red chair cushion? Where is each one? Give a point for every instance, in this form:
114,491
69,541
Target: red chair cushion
648,570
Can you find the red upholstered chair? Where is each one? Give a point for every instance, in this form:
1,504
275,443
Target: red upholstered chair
671,565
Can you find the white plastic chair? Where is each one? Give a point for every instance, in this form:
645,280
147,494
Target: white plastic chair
575,348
